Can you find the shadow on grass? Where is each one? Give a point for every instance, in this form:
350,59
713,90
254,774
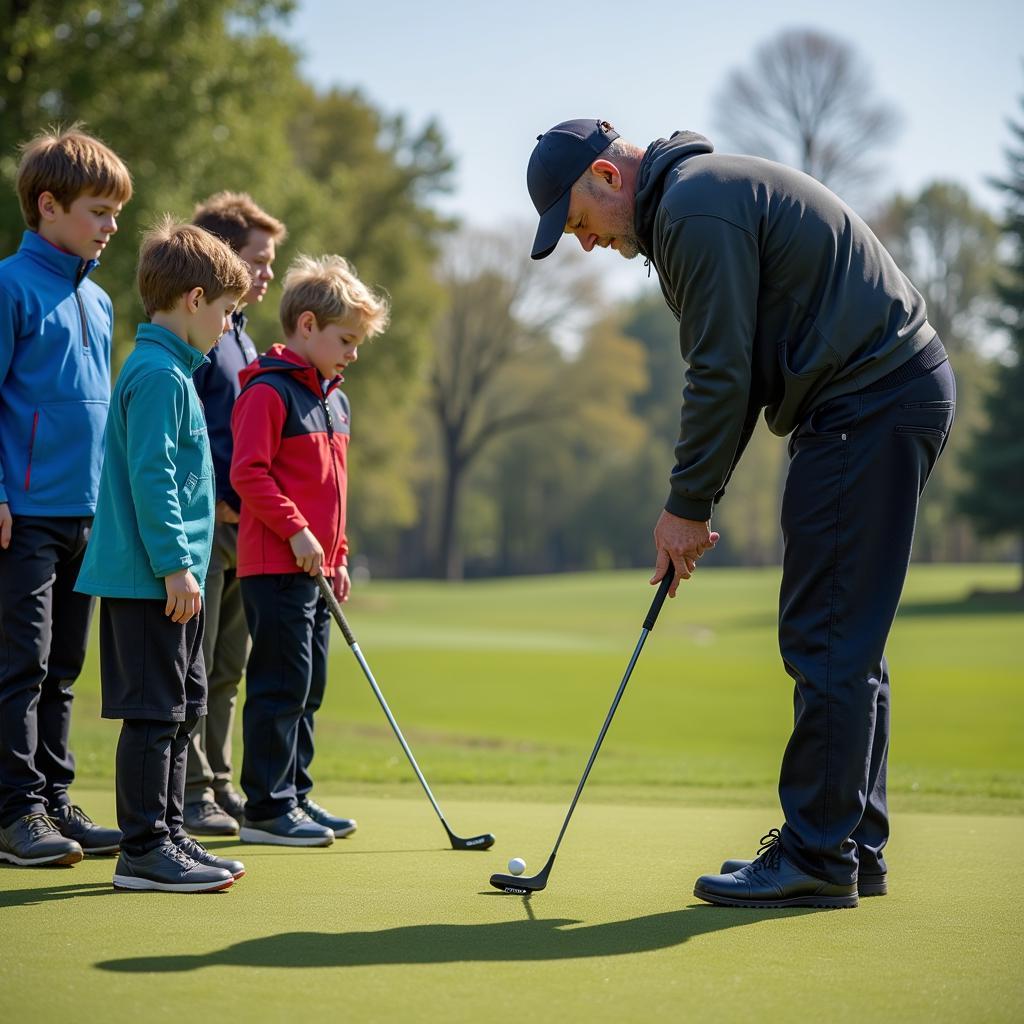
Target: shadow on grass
56,891
509,941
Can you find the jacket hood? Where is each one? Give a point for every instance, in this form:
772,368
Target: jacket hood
661,156
281,359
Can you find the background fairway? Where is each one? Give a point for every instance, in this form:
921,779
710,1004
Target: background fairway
508,681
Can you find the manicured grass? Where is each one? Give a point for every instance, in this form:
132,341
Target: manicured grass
507,682
501,688
389,925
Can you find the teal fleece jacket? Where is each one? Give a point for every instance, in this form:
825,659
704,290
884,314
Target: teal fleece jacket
154,515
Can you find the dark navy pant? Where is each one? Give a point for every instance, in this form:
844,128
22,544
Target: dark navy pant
284,686
44,628
155,680
858,466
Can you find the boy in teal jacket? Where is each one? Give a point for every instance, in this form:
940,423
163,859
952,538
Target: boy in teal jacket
149,551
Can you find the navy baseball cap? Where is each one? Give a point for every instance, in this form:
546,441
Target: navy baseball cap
559,158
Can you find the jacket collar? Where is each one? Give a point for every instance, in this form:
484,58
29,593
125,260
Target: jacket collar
281,359
189,358
66,264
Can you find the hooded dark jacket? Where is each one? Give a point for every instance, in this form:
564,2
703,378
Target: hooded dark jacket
785,299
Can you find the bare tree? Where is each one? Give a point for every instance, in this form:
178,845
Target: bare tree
501,314
807,101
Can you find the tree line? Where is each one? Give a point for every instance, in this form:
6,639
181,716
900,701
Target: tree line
496,428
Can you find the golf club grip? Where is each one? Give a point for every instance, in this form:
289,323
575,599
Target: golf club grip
335,607
659,597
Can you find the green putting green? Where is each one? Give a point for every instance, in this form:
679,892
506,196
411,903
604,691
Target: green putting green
501,687
390,925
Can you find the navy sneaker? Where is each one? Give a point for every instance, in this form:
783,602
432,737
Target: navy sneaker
231,803
205,818
168,869
35,841
73,823
295,828
341,827
201,855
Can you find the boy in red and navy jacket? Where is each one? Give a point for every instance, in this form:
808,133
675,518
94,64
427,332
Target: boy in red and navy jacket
291,431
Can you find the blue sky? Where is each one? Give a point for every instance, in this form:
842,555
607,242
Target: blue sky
495,76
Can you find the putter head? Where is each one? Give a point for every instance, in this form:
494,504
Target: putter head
483,842
518,885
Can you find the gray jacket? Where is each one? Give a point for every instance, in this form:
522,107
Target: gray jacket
785,299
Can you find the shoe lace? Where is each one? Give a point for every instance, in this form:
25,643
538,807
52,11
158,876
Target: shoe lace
174,853
311,807
75,813
297,814
770,852
40,825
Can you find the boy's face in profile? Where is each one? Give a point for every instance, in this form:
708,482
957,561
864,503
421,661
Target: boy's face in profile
258,254
84,228
334,346
209,320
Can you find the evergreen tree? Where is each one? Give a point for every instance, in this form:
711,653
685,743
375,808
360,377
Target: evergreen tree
994,500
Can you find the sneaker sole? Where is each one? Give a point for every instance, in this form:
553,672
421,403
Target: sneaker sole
59,860
255,835
101,851
822,902
129,883
341,833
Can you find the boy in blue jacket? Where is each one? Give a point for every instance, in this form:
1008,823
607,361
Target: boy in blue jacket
55,334
149,553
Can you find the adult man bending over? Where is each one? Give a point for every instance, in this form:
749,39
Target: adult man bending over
786,302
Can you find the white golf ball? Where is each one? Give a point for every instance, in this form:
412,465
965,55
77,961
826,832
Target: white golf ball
517,865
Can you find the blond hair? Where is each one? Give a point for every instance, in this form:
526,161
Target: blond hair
328,288
68,163
175,258
231,216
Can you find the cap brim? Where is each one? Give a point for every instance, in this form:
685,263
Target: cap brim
551,227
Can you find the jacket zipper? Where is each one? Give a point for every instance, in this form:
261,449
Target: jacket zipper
334,466
81,312
31,445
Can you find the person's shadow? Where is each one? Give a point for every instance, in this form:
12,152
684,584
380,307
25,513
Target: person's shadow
529,939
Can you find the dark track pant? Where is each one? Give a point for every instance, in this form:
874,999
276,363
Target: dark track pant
284,686
154,679
44,629
859,464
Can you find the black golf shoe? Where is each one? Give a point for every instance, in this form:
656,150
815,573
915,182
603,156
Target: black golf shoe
231,803
772,881
867,885
201,855
73,823
35,841
205,818
168,869
341,827
296,828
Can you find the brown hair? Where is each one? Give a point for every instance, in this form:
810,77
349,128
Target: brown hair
175,258
68,163
329,288
232,215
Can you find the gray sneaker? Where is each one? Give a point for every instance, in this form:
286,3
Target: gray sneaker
201,855
295,828
168,869
205,818
341,827
35,841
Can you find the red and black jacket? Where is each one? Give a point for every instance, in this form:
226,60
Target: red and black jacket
289,463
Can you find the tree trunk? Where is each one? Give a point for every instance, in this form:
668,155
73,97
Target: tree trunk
449,554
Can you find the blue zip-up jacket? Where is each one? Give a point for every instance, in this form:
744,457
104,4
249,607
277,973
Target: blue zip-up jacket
155,509
218,388
55,332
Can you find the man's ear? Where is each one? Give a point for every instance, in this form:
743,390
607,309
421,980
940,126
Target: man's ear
608,173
